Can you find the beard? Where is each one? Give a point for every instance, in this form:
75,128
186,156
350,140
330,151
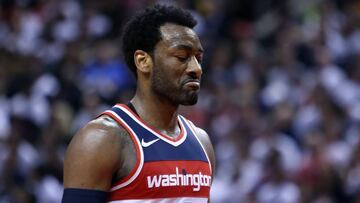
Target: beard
166,89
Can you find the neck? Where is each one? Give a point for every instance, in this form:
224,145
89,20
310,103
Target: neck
158,113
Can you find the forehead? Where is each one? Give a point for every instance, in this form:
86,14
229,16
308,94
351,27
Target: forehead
173,35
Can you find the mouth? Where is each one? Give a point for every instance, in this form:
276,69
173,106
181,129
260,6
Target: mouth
193,84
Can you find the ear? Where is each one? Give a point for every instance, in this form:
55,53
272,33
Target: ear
143,61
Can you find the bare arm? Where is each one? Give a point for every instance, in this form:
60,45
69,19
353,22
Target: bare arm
93,156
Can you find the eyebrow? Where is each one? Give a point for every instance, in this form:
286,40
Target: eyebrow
186,47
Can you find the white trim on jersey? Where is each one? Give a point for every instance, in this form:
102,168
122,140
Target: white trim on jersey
165,200
174,143
192,128
138,145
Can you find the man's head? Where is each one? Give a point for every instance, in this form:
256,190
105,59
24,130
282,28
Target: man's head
142,32
161,48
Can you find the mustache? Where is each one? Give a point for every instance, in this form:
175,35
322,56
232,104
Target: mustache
191,79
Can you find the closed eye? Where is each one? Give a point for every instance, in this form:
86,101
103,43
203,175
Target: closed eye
182,58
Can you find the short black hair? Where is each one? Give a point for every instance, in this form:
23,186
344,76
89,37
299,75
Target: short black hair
142,31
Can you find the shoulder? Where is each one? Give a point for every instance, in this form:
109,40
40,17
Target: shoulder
94,154
99,133
200,134
206,142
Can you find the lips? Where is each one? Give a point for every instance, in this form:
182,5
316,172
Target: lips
192,83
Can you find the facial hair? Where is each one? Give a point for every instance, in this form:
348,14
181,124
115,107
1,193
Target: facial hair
167,89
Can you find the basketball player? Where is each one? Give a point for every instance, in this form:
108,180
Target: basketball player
144,151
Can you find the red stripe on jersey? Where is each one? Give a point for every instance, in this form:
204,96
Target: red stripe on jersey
173,139
167,179
133,137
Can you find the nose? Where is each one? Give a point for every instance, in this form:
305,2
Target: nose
194,68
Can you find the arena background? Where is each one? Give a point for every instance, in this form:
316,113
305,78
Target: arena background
280,96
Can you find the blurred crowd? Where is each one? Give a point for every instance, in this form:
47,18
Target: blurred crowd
280,95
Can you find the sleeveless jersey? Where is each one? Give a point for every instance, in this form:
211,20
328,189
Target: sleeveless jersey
167,169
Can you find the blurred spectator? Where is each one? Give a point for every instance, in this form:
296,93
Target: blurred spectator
275,186
104,73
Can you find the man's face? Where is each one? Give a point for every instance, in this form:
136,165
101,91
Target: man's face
177,70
